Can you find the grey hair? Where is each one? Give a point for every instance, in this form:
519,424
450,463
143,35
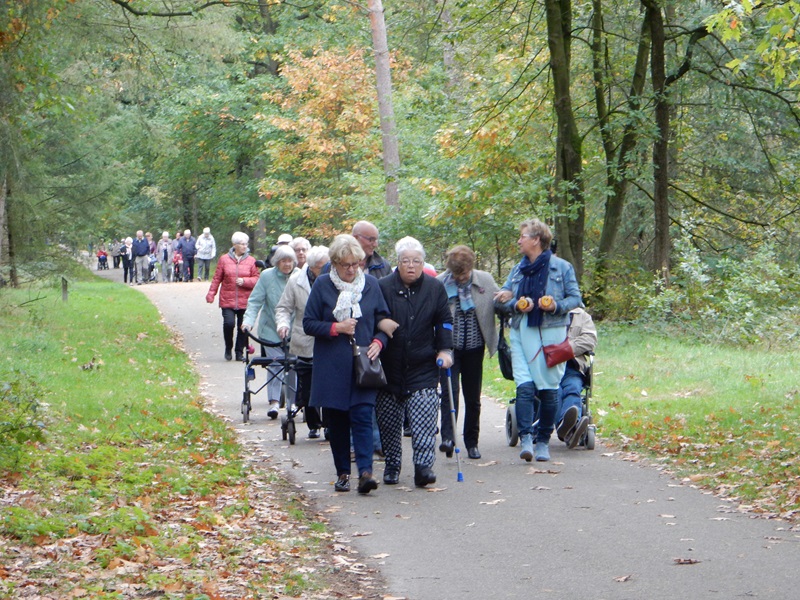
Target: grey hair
536,227
239,237
187,232
281,252
165,234
317,254
345,245
299,240
408,244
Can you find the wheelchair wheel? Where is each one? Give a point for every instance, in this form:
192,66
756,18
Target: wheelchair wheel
590,435
246,407
512,433
291,431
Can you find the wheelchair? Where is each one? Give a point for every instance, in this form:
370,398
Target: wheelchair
587,440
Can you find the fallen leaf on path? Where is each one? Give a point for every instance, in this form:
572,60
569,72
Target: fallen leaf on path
488,464
436,489
401,517
667,516
361,533
623,578
541,488
380,556
686,561
535,471
493,502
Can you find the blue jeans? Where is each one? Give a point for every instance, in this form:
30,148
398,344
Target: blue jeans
341,423
569,392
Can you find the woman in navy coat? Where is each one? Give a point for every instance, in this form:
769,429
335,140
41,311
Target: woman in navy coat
342,304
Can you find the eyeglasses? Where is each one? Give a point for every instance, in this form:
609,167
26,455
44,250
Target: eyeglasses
407,262
372,239
349,265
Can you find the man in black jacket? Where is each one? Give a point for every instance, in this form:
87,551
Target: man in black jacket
418,303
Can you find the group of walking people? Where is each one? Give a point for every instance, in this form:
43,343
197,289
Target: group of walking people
332,301
142,258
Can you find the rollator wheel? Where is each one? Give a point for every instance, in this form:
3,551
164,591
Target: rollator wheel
246,407
284,427
292,431
590,435
512,433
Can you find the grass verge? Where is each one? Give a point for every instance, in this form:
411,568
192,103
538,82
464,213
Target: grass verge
724,418
136,490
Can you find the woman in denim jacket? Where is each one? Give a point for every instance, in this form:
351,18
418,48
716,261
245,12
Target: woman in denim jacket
538,275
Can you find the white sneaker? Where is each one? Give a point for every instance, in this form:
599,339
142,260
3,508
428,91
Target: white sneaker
272,413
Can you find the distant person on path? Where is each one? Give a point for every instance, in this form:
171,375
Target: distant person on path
345,304
141,258
235,278
164,255
582,335
289,319
206,252
126,254
549,290
301,246
262,303
470,294
284,239
188,249
116,252
418,302
151,243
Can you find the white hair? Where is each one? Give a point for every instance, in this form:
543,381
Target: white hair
239,237
316,255
300,240
206,230
165,234
408,244
187,232
281,252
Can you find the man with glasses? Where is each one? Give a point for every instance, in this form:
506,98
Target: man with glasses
367,235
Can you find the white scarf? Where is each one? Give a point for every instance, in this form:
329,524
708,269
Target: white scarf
347,305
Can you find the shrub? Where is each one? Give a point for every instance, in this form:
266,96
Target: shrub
20,422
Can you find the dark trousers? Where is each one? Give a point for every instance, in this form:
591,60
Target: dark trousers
466,373
232,320
127,271
116,261
341,423
188,268
303,371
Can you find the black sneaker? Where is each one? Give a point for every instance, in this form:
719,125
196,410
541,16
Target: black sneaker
313,434
228,355
568,422
391,475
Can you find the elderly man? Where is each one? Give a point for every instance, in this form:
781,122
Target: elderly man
141,258
367,235
188,248
424,338
206,252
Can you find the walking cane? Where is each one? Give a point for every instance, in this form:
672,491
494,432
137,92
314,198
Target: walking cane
460,478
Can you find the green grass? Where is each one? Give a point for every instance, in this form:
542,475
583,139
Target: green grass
724,417
130,461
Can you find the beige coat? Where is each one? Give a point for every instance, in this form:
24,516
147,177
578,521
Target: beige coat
292,305
483,290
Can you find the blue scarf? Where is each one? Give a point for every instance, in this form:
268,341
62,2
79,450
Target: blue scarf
462,292
534,283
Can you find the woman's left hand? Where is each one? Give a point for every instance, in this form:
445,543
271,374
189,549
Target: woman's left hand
374,350
444,359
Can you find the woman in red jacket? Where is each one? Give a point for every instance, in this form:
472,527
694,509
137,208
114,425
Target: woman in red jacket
235,277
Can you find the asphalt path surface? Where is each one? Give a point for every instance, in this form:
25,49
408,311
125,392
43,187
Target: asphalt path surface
589,524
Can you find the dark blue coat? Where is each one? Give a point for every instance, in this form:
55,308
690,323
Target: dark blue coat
141,247
332,376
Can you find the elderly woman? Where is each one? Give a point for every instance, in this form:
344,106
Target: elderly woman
470,293
345,304
262,303
549,290
292,306
418,303
301,246
164,256
234,279
126,252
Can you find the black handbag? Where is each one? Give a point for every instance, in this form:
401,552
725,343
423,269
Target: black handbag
367,373
504,353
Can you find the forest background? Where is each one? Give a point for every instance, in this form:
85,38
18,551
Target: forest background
658,139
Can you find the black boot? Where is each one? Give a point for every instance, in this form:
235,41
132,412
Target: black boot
423,476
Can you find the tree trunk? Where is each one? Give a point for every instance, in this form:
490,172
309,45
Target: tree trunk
270,27
3,222
568,188
661,246
391,152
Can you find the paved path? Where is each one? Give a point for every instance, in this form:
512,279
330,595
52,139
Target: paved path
586,525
